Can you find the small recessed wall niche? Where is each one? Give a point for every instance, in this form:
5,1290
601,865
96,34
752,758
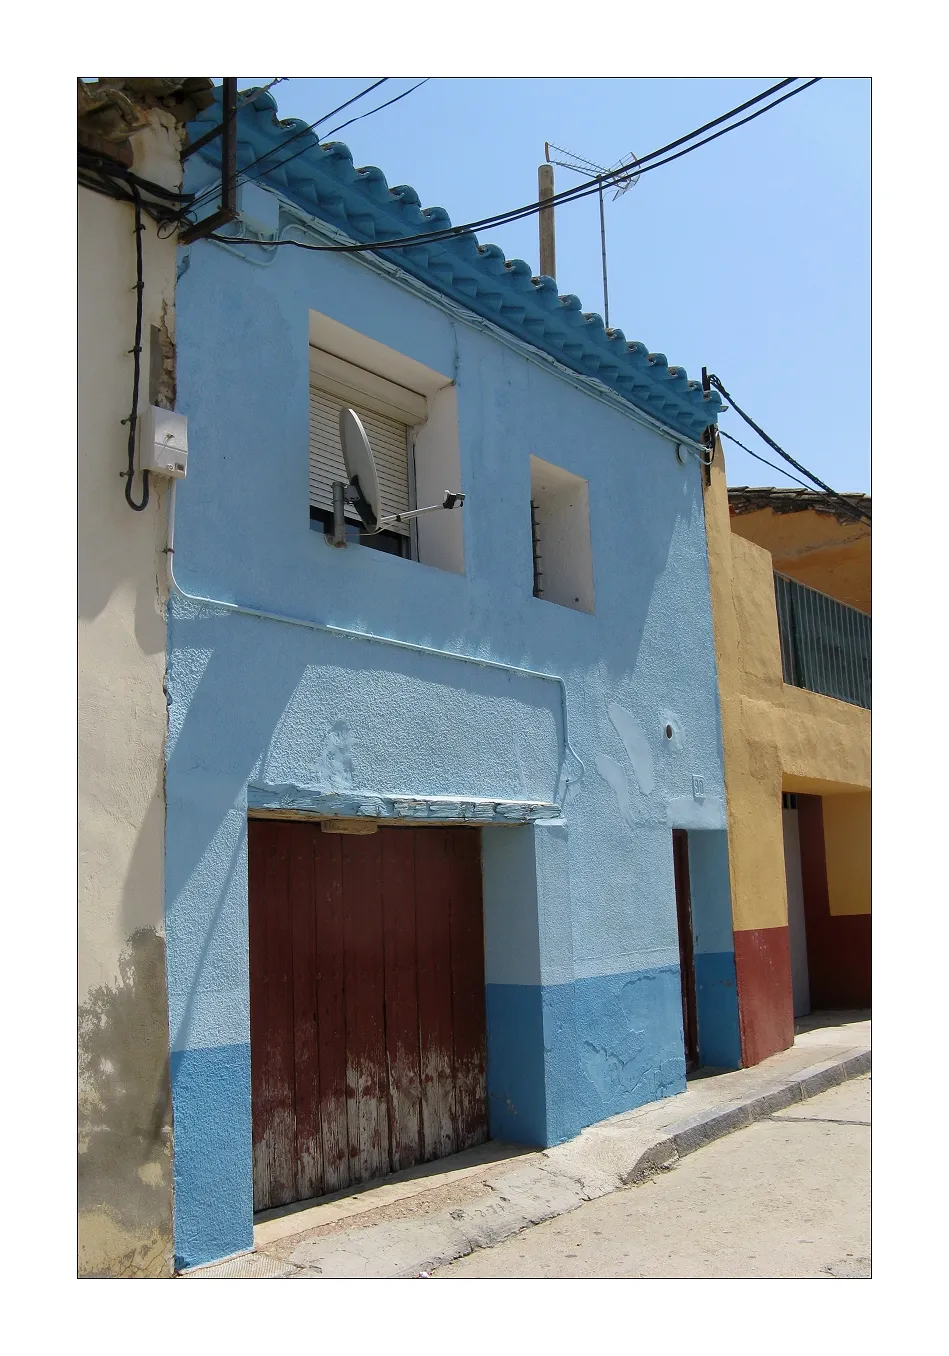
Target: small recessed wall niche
560,530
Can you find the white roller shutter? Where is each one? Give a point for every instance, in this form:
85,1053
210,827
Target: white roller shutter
388,439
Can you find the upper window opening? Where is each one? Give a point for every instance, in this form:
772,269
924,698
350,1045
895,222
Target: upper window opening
390,440
560,536
412,430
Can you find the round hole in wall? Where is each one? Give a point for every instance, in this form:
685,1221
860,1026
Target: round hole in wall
682,455
669,731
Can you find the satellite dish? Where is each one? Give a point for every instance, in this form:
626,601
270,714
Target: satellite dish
360,469
363,488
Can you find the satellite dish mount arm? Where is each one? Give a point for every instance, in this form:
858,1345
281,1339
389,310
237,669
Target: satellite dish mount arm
451,500
352,494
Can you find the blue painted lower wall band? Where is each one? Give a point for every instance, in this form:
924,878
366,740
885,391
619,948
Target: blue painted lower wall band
214,1190
564,1056
516,1102
716,994
629,1038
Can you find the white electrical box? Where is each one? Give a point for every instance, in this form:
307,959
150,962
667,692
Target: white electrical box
259,209
163,442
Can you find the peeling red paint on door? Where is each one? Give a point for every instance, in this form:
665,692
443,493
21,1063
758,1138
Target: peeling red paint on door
433,933
306,1053
468,1006
271,998
368,1050
401,987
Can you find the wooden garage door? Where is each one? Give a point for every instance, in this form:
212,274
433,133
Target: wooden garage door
366,1003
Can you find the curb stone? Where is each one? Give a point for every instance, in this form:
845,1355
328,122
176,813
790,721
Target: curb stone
705,1128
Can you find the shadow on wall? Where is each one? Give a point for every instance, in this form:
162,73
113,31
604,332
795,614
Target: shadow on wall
125,1190
142,889
118,561
184,1011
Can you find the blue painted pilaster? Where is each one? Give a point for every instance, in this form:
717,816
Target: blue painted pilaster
531,1022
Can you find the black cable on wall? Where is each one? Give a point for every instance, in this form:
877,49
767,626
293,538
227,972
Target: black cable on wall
136,352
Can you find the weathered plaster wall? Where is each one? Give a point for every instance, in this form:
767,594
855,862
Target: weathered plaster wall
815,549
776,738
584,1015
125,1178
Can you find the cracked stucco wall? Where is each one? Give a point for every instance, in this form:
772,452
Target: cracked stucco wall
125,1177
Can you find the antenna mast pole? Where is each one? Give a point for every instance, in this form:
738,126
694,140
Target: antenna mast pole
628,176
606,294
545,217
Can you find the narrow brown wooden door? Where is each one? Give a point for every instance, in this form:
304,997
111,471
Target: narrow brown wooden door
367,1017
690,1026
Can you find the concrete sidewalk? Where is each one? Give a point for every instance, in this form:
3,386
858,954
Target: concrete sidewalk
425,1217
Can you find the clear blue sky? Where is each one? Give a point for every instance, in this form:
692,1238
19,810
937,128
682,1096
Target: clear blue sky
750,256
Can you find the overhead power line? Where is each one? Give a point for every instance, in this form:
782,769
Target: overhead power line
378,109
211,193
568,194
334,130
565,196
758,457
855,509
612,175
620,171
108,177
642,165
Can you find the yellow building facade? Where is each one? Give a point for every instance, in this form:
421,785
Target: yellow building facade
797,761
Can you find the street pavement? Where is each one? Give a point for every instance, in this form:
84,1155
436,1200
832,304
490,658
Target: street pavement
789,1196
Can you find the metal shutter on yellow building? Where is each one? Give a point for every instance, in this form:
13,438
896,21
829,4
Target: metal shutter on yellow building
388,439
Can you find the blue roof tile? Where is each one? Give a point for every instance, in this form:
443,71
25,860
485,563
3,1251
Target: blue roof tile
324,182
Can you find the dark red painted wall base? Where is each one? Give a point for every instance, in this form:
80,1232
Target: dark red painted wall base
838,945
838,961
765,1003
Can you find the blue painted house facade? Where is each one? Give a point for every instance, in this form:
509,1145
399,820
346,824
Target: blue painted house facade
539,666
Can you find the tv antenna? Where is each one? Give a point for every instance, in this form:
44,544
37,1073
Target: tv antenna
362,491
621,182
